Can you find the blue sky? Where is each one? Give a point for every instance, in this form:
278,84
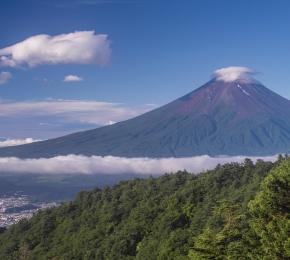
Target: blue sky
160,50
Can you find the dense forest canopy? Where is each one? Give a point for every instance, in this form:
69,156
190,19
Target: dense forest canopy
236,211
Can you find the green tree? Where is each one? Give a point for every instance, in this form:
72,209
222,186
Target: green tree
155,218
223,236
270,215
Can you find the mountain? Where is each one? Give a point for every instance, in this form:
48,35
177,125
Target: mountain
232,114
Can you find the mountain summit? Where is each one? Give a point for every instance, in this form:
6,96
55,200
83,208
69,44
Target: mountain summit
232,114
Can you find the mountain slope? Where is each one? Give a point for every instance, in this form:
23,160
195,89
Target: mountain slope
237,117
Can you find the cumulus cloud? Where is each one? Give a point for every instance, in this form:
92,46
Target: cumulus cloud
5,77
72,78
81,47
234,73
77,164
13,142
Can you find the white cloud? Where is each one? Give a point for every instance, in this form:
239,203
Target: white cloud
84,111
84,47
5,77
13,142
72,78
77,164
234,73
111,122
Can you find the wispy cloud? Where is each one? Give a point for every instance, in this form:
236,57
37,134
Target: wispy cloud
13,142
5,77
83,47
94,112
76,164
50,118
72,78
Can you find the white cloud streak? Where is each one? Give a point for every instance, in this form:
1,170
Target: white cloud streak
80,111
76,164
72,78
233,73
5,77
81,47
13,142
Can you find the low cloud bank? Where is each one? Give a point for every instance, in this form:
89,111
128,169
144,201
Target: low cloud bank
13,142
77,164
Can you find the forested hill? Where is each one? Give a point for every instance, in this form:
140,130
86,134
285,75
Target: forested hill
222,214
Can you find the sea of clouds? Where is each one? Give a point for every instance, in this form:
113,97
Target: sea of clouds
78,164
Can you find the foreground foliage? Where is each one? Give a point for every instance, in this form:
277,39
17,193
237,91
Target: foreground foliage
221,214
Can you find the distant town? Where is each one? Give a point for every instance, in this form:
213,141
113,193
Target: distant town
19,206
